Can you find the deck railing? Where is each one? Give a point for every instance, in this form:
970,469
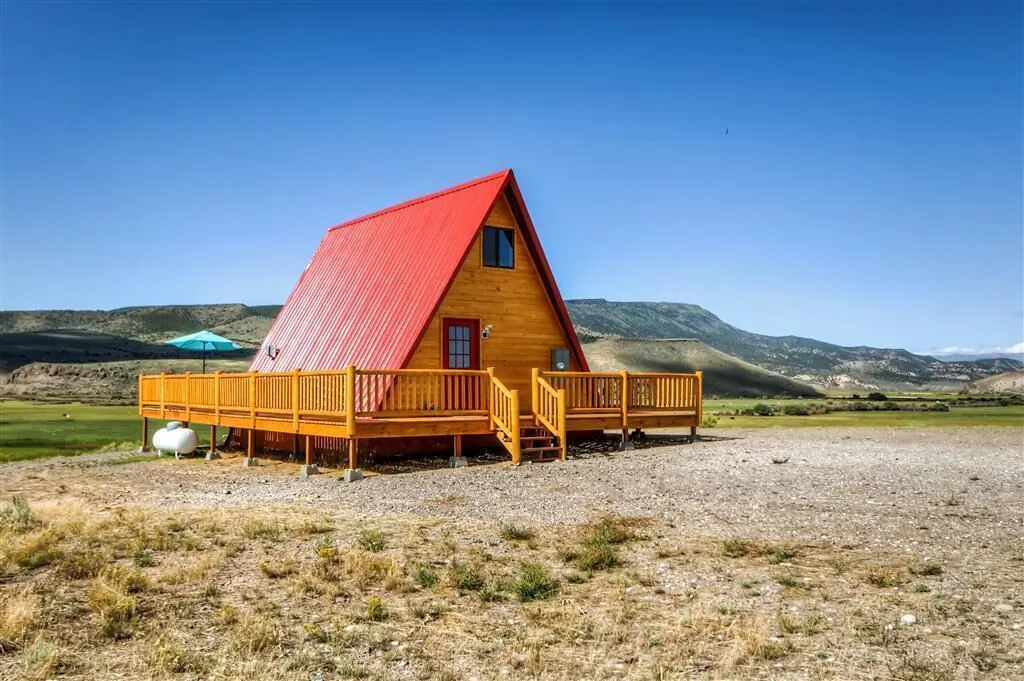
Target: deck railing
549,408
338,401
505,414
626,392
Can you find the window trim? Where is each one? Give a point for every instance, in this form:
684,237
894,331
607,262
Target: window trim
483,252
475,346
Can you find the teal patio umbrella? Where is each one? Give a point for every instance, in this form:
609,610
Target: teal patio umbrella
203,341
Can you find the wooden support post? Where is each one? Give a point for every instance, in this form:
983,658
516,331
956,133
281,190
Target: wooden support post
458,446
309,452
353,453
535,390
700,400
490,398
188,397
213,439
624,396
563,428
252,399
514,426
163,401
295,401
249,443
216,397
145,435
350,401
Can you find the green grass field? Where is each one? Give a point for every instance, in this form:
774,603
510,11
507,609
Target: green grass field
955,417
31,430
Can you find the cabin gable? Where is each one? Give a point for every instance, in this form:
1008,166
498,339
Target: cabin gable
524,327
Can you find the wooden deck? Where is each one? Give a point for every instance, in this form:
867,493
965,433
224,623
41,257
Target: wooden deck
359,404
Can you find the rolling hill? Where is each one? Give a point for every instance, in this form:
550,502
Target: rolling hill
43,348
807,359
724,375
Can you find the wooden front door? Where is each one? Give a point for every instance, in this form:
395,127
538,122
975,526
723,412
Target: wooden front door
461,343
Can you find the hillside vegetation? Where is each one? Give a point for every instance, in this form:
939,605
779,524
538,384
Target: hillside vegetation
724,375
823,363
95,354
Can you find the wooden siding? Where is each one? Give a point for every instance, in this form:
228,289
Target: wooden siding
524,326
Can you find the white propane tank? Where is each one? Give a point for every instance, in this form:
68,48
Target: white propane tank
174,438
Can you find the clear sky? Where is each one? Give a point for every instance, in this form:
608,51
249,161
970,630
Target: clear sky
869,190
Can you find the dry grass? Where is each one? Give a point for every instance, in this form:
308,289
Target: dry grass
196,596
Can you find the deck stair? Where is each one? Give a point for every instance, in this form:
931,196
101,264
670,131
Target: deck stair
537,443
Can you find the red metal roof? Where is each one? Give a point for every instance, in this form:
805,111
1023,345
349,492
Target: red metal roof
374,283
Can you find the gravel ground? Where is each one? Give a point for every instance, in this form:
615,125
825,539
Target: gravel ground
919,490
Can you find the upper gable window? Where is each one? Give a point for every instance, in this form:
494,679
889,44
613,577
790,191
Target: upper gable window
499,247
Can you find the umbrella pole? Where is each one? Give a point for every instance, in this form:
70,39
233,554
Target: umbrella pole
204,357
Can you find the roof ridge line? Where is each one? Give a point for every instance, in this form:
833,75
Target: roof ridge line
422,199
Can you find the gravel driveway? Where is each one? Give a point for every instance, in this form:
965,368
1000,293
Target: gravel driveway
942,490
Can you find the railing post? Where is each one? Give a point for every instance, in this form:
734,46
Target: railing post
624,396
350,400
295,401
514,426
490,398
535,391
216,396
188,396
700,397
163,399
140,394
252,404
563,429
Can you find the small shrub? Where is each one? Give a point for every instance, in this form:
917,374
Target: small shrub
257,528
83,564
510,532
282,569
19,615
597,557
534,582
168,655
790,581
254,633
709,421
427,612
576,578
465,577
735,548
36,550
426,578
608,530
877,397
922,588
143,558
376,611
372,541
490,592
782,555
325,549
762,409
127,580
926,569
19,516
114,611
885,577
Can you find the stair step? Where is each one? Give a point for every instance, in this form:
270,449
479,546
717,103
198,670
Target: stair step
539,450
536,437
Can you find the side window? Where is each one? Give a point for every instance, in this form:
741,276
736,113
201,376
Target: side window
499,247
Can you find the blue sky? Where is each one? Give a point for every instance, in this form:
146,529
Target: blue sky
869,190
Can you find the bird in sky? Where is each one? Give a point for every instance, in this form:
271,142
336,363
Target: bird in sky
727,131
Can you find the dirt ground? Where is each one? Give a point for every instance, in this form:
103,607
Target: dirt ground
776,554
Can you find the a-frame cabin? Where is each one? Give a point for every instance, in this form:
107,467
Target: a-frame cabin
435,319
452,280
